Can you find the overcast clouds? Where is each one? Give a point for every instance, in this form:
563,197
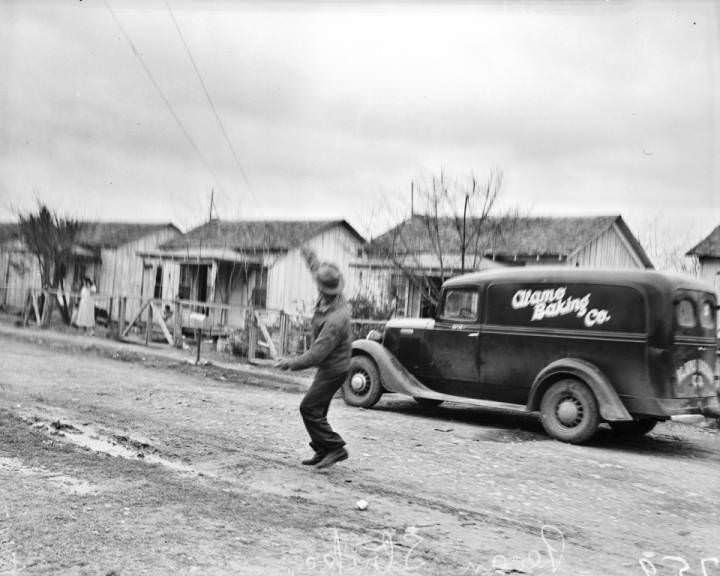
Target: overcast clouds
587,108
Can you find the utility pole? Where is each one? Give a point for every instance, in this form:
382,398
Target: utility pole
212,202
412,198
462,248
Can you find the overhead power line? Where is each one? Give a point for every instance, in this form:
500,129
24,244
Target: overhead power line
164,98
207,93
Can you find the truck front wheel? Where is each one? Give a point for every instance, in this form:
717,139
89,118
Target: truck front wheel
362,387
569,411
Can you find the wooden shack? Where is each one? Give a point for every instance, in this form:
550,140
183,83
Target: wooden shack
250,263
106,252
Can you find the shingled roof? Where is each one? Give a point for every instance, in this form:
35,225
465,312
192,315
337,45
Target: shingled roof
542,236
708,247
255,235
92,237
114,234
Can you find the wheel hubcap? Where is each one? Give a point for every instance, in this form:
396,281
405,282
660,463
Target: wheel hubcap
569,411
359,382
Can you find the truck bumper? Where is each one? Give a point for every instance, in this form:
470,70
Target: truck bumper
712,410
666,407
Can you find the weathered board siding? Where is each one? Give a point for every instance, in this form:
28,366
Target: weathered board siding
372,283
121,270
290,284
170,278
4,275
20,271
608,250
710,273
120,273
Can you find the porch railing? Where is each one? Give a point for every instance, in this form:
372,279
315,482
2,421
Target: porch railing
250,332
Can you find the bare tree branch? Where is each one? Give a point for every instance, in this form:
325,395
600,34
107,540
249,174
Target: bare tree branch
435,243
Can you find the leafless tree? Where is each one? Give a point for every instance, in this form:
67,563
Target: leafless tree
453,229
667,249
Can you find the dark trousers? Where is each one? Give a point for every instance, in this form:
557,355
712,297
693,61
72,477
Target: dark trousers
314,409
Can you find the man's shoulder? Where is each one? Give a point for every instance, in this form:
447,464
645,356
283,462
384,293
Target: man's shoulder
341,312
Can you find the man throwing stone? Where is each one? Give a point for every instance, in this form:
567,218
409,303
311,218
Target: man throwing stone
330,352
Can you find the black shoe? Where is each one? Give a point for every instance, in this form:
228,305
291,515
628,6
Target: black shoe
333,456
314,460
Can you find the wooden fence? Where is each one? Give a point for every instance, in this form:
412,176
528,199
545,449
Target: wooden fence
254,333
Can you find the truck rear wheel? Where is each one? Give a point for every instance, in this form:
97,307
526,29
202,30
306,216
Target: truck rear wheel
569,411
362,387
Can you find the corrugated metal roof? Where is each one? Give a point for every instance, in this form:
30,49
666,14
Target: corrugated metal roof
114,234
423,261
92,236
255,235
544,236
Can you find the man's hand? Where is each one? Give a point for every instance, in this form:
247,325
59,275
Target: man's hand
310,257
283,364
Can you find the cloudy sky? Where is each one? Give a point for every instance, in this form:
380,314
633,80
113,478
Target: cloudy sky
329,110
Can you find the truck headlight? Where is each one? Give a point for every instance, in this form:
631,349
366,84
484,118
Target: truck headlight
375,335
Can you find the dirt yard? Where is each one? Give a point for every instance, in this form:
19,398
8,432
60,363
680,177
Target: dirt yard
120,468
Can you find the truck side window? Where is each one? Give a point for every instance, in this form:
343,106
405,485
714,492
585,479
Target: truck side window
685,313
460,304
707,315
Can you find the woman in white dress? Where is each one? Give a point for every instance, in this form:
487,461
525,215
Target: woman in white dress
86,309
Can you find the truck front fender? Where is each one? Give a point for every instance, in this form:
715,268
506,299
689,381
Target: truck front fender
393,375
611,407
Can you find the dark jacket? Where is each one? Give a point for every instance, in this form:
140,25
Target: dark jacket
332,339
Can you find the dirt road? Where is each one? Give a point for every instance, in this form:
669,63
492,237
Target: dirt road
115,468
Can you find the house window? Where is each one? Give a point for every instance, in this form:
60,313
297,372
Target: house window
398,294
185,282
259,293
79,273
193,282
427,296
158,291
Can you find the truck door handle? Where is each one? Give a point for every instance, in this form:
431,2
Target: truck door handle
473,334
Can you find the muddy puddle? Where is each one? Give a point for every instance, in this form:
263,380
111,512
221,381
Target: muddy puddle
115,445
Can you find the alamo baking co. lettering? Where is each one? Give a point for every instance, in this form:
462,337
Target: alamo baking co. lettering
552,302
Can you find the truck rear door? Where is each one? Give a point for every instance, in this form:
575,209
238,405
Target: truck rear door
694,353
